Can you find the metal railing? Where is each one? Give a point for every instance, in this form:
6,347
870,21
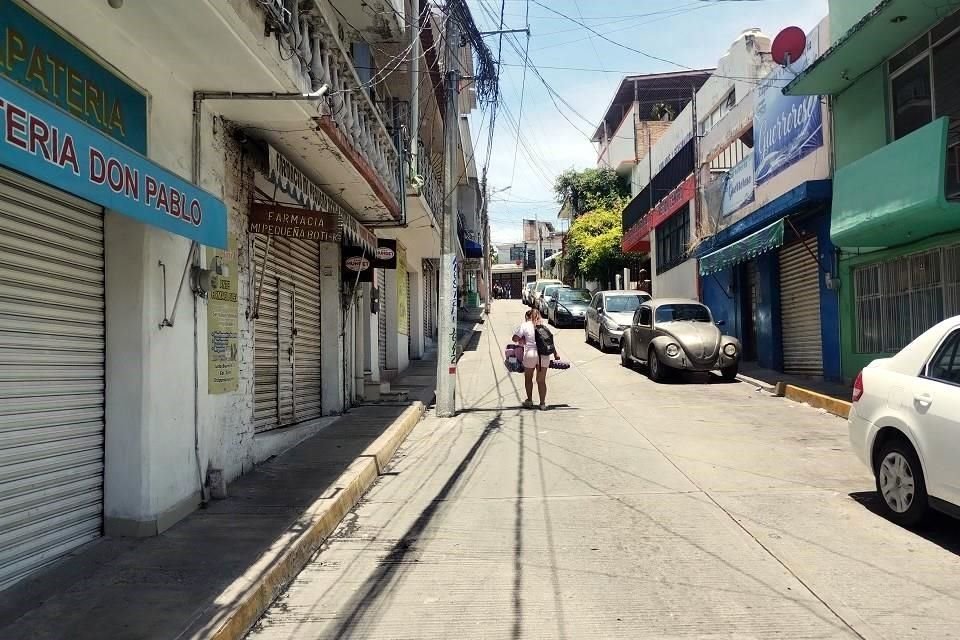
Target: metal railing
353,112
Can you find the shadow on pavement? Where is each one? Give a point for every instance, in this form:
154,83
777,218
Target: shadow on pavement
938,528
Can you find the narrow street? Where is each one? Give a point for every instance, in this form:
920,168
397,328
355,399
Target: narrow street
695,509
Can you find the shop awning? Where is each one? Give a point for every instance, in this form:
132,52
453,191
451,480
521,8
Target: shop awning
753,245
472,249
896,194
890,26
47,144
356,234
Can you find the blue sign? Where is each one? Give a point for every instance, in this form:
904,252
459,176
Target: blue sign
45,143
738,189
37,57
786,128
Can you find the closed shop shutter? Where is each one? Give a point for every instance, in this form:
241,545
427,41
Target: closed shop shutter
382,318
800,309
287,333
51,375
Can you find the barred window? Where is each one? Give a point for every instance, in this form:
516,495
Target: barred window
673,239
898,300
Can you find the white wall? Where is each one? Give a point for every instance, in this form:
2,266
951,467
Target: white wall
622,144
679,282
152,477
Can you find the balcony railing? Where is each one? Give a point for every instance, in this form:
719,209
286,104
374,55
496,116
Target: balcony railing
351,109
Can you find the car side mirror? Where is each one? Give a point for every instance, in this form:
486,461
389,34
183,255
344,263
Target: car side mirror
599,309
720,323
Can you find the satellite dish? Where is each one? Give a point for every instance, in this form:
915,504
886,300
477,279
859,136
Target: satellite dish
788,46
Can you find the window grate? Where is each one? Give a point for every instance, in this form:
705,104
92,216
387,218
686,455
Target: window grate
896,301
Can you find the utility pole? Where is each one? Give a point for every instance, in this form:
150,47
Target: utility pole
539,261
449,267
415,94
485,229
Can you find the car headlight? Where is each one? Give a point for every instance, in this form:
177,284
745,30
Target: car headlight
610,324
672,350
730,349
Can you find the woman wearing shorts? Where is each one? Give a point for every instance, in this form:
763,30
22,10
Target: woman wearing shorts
533,362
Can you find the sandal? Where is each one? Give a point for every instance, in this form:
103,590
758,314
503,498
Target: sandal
528,404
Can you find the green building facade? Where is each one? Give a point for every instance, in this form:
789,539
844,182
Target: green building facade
893,81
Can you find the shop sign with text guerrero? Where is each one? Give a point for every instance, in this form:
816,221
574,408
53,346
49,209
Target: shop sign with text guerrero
786,128
39,59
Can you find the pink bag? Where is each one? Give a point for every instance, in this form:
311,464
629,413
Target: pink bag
513,358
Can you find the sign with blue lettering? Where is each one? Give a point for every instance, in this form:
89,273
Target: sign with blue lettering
738,189
786,128
45,143
37,57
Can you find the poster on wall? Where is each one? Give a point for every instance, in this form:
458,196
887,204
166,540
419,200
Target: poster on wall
223,345
786,128
403,307
738,188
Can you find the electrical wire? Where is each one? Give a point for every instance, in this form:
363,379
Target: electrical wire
523,87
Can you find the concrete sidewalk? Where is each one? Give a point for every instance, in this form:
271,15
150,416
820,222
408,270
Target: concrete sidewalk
212,574
833,397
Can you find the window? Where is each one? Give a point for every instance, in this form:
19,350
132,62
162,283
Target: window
925,85
573,295
624,303
945,365
643,317
673,236
682,313
898,300
718,112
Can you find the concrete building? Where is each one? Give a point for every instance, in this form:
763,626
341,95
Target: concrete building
896,189
764,249
188,278
662,218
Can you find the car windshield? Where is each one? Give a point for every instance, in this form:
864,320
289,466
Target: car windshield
551,290
574,295
623,303
682,313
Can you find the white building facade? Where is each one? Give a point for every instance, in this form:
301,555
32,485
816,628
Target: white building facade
188,248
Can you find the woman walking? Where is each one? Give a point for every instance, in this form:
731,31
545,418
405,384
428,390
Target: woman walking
537,342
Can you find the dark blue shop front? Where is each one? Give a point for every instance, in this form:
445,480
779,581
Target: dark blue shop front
768,278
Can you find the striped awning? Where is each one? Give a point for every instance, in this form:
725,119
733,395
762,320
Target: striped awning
755,244
356,234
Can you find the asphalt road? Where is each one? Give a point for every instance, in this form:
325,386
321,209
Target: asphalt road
697,509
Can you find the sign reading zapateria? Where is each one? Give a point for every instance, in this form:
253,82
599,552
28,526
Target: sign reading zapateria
273,219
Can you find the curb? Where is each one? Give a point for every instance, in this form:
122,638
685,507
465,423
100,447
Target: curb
839,408
244,601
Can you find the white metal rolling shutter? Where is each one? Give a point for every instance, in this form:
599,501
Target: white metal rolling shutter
382,318
287,333
800,309
51,375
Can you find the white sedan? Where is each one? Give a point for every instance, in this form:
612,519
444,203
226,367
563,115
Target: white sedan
905,425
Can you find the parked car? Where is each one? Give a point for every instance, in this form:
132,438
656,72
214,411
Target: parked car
527,294
568,306
609,315
543,303
538,288
905,425
677,334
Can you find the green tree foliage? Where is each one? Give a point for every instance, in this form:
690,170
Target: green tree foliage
593,244
590,189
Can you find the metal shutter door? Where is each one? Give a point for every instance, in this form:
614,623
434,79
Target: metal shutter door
382,318
287,333
800,309
51,375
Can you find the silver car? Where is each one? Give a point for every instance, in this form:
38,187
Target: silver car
527,294
542,304
678,334
609,315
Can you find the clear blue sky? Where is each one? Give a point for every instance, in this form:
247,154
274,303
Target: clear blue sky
690,33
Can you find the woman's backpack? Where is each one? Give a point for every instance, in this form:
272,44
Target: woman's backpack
544,340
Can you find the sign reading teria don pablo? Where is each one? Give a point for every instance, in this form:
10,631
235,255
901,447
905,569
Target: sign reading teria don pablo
45,143
786,128
272,219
